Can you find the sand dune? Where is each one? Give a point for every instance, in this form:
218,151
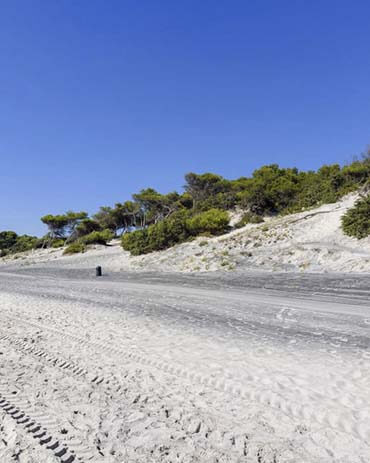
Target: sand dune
311,241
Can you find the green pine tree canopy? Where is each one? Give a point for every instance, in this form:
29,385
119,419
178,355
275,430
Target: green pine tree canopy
155,221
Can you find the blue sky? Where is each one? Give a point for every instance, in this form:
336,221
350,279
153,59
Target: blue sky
102,98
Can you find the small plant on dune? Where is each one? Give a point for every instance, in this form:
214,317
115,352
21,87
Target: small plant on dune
203,243
58,243
213,221
356,221
74,248
249,217
97,237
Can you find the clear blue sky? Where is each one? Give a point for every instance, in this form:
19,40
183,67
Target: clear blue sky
102,98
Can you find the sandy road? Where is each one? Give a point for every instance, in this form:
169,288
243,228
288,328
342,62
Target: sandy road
168,368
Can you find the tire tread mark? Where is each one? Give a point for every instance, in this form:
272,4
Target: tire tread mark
271,399
35,426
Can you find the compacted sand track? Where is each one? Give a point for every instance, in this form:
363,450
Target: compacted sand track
165,368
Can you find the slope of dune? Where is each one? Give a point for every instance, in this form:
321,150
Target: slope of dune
310,241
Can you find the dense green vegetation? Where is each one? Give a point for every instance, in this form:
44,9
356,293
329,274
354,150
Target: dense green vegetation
97,237
356,222
177,228
74,248
11,243
155,221
270,190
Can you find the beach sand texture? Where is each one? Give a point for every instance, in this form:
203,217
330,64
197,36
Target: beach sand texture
175,368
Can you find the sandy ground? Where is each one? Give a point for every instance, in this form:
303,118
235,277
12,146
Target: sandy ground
154,367
311,241
250,347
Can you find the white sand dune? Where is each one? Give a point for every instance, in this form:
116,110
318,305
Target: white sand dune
311,241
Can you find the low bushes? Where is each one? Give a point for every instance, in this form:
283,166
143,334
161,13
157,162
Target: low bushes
11,243
179,227
247,218
161,235
356,221
214,221
136,242
97,237
57,243
74,248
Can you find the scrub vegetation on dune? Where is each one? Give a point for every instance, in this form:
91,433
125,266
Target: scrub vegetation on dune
152,221
356,222
179,227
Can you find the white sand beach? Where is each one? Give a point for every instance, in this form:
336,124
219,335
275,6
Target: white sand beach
173,369
153,363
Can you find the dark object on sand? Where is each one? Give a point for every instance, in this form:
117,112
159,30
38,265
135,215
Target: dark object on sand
98,271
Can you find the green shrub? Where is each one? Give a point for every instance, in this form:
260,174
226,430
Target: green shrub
11,243
356,221
203,243
161,235
135,242
24,243
7,239
178,228
74,248
213,221
247,218
97,237
58,243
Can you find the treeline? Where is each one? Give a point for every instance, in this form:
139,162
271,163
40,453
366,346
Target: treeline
11,243
270,190
154,221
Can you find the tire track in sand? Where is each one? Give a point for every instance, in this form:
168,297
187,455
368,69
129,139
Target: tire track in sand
343,422
240,444
42,427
